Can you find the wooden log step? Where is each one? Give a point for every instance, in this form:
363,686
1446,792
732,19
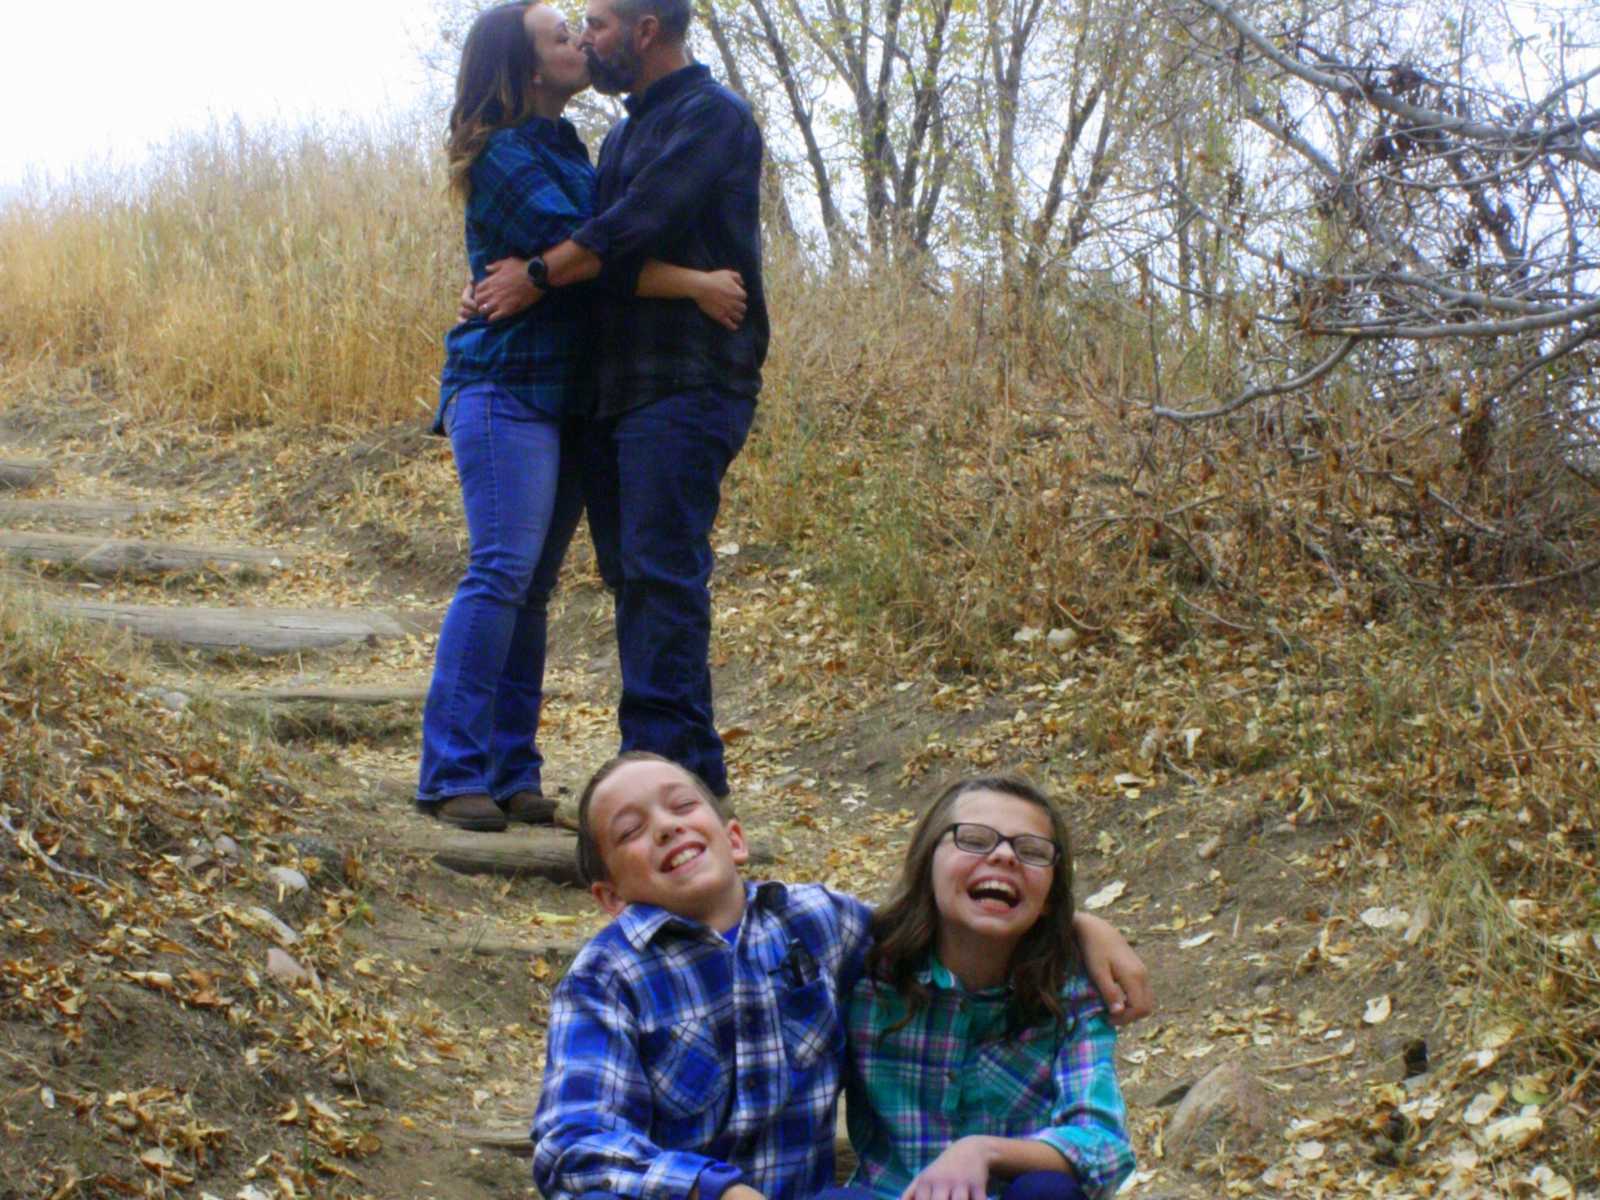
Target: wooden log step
510,1139
537,850
17,474
558,951
116,556
76,512
325,693
542,851
264,631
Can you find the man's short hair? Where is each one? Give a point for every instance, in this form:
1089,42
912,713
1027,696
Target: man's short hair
591,866
673,15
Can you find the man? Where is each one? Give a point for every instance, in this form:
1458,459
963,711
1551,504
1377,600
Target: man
679,180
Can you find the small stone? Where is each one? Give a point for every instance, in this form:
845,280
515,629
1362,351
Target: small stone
287,971
168,698
1209,848
1228,1105
286,936
227,849
1061,639
287,880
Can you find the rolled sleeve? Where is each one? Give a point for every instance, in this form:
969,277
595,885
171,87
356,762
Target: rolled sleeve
590,1132
514,194
1089,1122
663,197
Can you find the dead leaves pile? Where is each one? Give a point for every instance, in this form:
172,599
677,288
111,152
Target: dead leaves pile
139,915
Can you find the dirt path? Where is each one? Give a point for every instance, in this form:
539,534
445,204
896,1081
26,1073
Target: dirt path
1261,959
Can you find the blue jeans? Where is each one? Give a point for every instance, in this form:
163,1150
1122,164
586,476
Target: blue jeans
652,479
523,502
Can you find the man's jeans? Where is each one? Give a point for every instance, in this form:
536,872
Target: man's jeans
523,501
653,481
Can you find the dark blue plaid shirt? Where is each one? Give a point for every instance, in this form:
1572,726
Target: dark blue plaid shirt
532,186
680,180
676,1059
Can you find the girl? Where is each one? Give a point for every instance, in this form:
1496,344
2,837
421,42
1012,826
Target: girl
505,390
981,1058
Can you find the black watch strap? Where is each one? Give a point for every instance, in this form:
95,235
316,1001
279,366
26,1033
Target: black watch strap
539,273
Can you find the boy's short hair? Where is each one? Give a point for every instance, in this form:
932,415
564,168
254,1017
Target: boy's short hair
591,866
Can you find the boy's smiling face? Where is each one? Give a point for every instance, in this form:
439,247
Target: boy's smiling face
664,844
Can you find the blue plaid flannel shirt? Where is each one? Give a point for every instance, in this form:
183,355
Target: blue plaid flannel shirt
680,180
677,1059
532,186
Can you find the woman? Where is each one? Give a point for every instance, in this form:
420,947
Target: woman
506,389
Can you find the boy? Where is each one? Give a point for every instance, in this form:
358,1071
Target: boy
696,1043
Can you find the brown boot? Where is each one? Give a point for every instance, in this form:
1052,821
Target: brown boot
477,813
530,808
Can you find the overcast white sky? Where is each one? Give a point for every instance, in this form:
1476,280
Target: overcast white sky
80,82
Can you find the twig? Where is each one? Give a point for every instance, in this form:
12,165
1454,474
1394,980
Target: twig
29,847
1264,391
1320,1060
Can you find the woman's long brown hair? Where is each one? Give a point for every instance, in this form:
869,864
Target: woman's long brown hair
494,88
906,927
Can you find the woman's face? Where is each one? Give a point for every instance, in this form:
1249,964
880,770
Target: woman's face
563,68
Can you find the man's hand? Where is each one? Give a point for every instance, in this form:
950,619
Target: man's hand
960,1173
741,1191
722,298
469,305
506,290
1115,970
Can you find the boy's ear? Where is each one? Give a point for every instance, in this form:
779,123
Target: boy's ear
606,896
741,851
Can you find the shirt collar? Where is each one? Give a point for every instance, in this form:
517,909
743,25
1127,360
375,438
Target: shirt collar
551,131
640,923
936,975
666,88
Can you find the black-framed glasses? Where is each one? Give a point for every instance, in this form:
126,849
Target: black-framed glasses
1031,849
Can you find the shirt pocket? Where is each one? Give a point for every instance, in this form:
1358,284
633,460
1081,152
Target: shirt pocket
1014,1079
812,1031
689,1076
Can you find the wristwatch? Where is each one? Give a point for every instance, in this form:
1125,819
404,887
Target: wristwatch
539,274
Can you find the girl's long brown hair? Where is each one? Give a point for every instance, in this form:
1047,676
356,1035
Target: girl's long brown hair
906,927
494,88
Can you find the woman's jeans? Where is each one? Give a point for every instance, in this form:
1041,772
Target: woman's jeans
522,502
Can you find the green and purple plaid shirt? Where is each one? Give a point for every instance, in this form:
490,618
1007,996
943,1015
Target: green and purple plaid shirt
953,1071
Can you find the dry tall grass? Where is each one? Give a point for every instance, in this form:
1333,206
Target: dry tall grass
246,275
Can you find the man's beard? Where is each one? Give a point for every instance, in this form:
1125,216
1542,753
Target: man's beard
614,76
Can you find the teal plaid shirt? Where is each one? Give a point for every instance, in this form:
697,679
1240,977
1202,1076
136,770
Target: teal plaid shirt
952,1072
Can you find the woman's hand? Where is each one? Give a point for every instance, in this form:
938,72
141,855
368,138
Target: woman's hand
721,297
1115,970
960,1173
506,290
